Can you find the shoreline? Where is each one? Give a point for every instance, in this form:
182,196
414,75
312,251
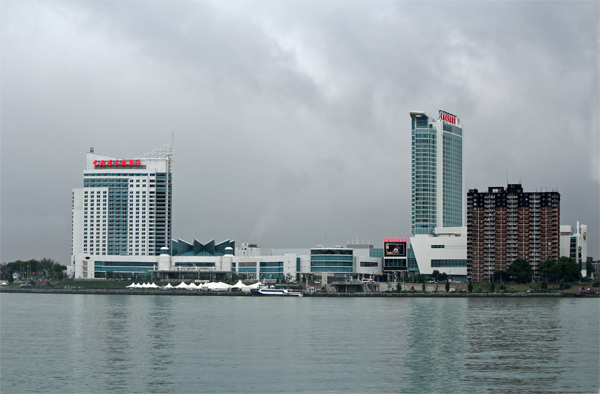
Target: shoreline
240,294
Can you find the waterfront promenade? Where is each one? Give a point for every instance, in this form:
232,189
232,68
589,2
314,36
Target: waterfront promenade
318,294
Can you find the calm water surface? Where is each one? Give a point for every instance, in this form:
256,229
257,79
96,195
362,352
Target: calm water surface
155,344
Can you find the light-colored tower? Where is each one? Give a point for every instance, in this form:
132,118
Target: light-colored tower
437,172
124,207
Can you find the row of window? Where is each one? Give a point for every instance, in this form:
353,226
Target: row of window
448,263
366,264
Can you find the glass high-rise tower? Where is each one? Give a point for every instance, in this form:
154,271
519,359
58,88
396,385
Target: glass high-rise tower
437,172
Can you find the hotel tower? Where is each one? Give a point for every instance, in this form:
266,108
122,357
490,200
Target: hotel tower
123,209
437,172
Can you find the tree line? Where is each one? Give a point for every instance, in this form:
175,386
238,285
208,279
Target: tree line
46,268
552,271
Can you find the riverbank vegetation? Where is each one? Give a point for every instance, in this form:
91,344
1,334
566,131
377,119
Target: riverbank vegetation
44,269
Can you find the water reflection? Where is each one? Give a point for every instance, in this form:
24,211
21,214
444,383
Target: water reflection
126,338
511,344
436,340
140,344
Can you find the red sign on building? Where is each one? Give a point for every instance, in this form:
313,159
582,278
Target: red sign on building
117,163
446,117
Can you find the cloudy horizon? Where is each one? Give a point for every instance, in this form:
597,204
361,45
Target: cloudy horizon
290,120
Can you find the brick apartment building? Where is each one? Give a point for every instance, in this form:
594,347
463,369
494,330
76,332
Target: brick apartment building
508,224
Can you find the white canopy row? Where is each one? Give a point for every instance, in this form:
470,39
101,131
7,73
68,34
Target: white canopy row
143,286
213,286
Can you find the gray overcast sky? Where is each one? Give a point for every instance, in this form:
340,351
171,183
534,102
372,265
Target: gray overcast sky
291,119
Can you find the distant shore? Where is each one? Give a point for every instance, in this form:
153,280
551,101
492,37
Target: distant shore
240,294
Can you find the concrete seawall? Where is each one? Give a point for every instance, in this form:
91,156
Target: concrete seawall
240,294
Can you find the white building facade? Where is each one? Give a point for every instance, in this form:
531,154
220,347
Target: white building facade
123,209
573,244
444,251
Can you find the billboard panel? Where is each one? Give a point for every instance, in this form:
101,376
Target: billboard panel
394,249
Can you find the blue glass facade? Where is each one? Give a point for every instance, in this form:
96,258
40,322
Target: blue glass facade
182,248
117,209
123,267
340,262
271,270
452,177
376,252
424,177
412,262
448,263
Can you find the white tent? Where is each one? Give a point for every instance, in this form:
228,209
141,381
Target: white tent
192,286
218,286
153,286
182,285
168,286
238,285
3,284
131,286
257,285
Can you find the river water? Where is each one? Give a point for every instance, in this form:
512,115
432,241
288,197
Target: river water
55,343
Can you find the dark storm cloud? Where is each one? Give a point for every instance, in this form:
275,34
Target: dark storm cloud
290,119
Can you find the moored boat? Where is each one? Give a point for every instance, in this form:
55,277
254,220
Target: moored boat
275,293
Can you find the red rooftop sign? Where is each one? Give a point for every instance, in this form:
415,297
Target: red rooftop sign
446,117
394,240
117,163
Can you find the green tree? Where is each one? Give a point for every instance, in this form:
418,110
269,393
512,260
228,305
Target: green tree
521,271
399,287
423,287
492,287
435,274
546,267
44,267
447,286
470,287
589,269
566,270
420,278
544,285
443,277
501,277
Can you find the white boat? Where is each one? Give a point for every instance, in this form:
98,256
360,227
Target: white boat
275,293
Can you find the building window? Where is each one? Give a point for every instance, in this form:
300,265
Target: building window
369,264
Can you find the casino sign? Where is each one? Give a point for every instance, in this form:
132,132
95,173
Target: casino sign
448,118
117,163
